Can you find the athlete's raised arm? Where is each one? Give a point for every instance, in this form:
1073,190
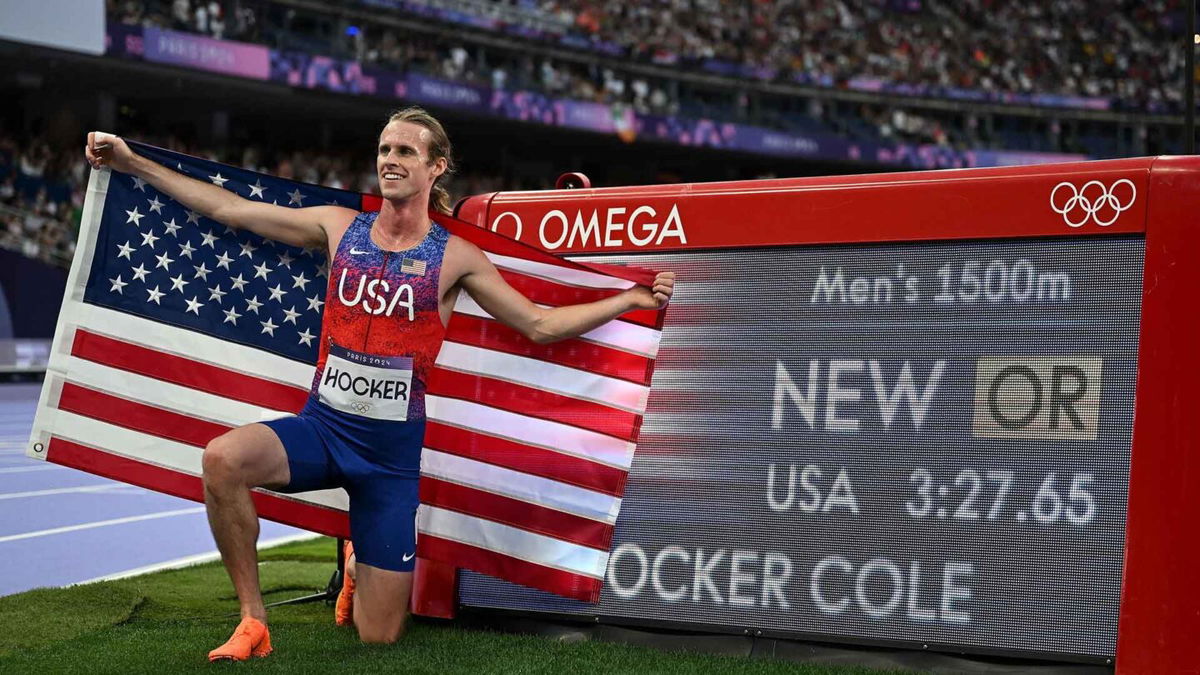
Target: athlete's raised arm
543,325
305,227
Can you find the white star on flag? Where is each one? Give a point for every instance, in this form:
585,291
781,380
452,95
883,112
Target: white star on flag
134,217
261,270
154,295
209,238
223,261
248,250
257,189
306,337
186,249
253,304
125,249
239,282
290,314
163,262
139,184
231,316
285,259
277,292
177,283
323,270
269,327
315,302
171,227
218,179
194,306
118,285
140,272
201,271
215,293
156,206
193,217
300,281
296,197
148,238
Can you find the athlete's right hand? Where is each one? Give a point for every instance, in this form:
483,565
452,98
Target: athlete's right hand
108,150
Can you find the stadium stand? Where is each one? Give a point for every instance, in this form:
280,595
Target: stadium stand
1096,56
928,67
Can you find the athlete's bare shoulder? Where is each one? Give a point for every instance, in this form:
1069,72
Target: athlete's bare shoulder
335,220
460,258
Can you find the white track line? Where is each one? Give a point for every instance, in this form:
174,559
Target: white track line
101,523
62,491
26,469
190,560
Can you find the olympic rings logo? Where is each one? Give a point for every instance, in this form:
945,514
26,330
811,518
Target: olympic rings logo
361,407
1094,201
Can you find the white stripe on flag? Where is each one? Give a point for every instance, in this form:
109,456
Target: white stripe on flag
543,375
628,337
188,344
533,489
531,431
161,394
564,275
162,452
511,541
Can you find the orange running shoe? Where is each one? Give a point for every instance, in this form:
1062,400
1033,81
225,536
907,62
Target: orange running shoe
343,611
251,638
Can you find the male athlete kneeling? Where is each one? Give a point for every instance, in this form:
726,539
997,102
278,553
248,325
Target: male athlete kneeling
372,451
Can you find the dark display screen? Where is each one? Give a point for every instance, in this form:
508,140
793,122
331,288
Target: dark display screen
904,442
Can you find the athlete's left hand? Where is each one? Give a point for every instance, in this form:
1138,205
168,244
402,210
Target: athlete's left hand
657,295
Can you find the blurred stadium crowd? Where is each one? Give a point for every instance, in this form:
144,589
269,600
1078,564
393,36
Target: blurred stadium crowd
1110,48
674,57
42,188
1074,49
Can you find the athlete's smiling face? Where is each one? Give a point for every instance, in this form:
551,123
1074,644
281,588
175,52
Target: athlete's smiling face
402,162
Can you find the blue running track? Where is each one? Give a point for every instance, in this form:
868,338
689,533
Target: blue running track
59,526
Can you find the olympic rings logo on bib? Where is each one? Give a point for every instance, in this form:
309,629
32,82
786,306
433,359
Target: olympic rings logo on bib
1094,201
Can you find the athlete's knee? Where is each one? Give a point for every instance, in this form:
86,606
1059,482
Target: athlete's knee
383,633
222,460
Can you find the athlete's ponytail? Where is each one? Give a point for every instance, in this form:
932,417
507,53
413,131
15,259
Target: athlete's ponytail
439,146
439,199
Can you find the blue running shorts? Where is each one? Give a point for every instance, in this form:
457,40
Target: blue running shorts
378,462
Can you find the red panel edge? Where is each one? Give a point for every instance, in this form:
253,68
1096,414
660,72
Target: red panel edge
435,589
947,204
1160,599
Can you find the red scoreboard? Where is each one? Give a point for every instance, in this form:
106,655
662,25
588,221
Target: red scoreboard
944,410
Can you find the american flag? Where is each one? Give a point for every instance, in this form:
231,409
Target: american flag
175,329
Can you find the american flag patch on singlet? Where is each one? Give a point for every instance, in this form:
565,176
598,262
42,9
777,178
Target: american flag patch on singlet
410,266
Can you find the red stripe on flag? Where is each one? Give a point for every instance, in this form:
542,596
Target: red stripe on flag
321,519
525,458
577,586
495,243
554,294
186,372
138,416
575,353
533,402
514,512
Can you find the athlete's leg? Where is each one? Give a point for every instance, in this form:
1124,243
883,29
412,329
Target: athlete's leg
381,603
244,458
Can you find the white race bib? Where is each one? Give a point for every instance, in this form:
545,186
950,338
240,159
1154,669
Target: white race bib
366,385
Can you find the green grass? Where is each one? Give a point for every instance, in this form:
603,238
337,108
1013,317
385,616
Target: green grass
166,622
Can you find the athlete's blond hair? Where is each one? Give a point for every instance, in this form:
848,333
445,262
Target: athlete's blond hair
439,146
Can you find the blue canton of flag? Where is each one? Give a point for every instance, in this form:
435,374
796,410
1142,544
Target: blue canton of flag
157,259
